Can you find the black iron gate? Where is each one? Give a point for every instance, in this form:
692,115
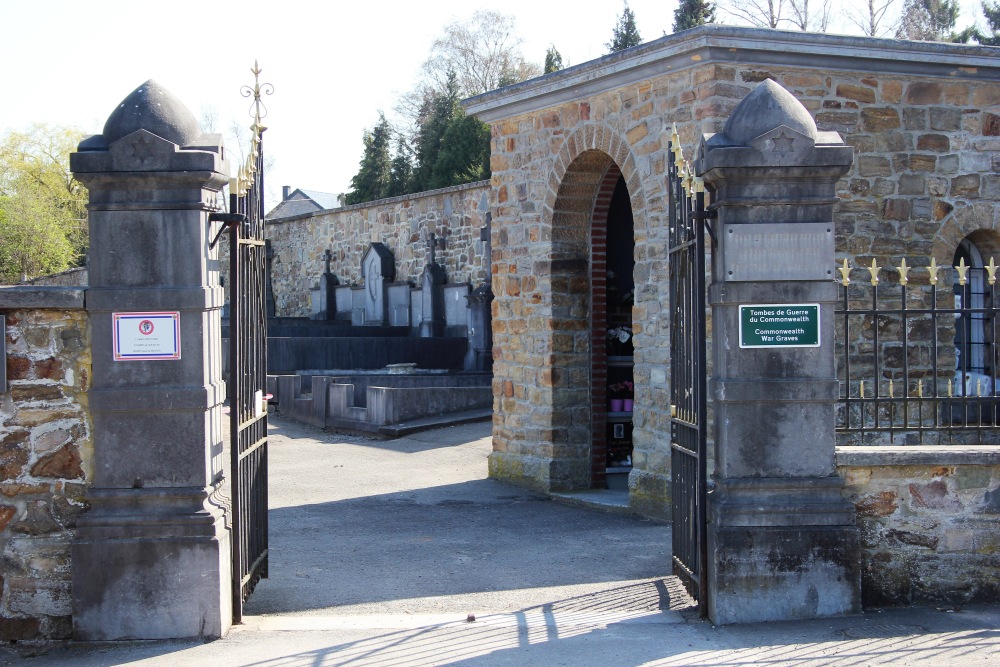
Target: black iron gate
687,375
248,367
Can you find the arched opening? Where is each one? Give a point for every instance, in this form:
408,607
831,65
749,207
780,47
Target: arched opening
975,326
612,293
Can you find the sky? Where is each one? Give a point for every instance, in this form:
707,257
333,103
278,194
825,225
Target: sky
333,64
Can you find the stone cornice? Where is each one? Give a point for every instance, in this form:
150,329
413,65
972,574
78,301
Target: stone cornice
730,44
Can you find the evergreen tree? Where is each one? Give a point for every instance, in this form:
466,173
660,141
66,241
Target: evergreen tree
436,114
992,13
402,170
693,13
374,173
553,60
625,34
465,152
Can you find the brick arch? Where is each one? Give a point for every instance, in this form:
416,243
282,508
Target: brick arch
579,218
594,138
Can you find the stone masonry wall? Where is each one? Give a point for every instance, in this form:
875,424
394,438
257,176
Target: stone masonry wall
46,460
402,223
924,176
930,522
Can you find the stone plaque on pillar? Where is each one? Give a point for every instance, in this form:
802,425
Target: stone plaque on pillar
782,542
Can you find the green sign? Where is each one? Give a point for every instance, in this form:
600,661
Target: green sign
779,325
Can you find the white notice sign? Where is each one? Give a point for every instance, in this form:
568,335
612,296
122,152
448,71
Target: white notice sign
146,336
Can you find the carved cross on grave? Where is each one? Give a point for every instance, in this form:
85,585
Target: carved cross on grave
431,242
328,256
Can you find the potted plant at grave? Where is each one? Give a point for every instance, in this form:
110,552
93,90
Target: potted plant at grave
622,394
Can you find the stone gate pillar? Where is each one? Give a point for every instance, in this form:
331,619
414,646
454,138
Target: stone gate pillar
151,558
782,543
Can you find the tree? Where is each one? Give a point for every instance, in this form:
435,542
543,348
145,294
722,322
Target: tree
483,53
870,19
553,60
437,112
932,21
465,153
759,13
693,13
805,19
625,34
991,11
43,209
374,174
402,170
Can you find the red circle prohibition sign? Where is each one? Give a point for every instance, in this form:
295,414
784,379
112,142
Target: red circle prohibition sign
146,327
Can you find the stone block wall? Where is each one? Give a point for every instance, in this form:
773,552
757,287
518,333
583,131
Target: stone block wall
402,223
930,522
46,462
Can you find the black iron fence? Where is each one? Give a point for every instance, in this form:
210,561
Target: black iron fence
916,357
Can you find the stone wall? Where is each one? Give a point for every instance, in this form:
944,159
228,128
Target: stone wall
930,522
923,119
402,223
46,457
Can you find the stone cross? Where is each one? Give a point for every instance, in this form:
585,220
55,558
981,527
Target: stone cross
432,241
328,256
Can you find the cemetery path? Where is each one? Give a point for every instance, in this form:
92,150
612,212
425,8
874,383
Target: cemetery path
402,553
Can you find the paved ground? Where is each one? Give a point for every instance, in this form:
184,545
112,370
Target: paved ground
401,553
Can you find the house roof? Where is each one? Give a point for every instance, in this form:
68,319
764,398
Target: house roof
301,202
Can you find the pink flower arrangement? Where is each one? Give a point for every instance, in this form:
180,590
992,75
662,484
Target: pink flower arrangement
623,389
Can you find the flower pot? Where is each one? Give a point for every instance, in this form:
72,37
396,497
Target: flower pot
616,404
627,405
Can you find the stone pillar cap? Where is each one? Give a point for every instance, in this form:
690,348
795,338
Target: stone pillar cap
149,107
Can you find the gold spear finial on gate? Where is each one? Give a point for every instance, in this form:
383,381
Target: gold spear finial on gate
933,271
903,270
962,270
991,271
258,88
873,270
845,274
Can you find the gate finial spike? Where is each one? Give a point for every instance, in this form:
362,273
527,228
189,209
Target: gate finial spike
903,270
845,274
873,270
991,271
933,271
962,271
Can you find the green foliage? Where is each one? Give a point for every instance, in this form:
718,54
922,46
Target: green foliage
437,112
625,34
932,21
992,13
402,170
374,175
693,13
553,60
465,153
43,209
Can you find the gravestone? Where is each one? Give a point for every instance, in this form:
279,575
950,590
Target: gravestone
378,269
433,317
324,299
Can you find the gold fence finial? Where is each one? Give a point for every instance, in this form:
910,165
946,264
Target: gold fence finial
920,388
861,389
903,270
891,393
933,271
845,274
873,270
962,271
991,271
